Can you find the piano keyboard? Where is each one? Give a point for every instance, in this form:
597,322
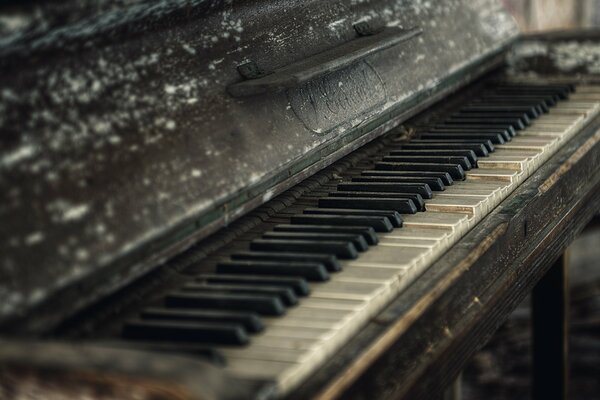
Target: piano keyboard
288,300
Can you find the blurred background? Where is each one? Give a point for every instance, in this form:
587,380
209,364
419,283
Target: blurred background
542,15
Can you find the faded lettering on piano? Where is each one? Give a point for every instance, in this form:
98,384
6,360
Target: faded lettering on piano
340,97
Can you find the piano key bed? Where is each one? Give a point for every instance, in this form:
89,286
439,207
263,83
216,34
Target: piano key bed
281,300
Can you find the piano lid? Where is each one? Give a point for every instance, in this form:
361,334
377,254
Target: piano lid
128,129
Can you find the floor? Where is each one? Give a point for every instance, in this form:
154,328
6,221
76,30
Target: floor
500,371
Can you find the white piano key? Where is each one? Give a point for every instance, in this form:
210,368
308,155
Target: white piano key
407,232
409,242
493,175
353,273
437,220
516,163
317,314
455,204
390,257
289,343
347,290
306,322
340,304
275,330
584,88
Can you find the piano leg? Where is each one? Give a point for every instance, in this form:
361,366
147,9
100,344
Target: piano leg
454,391
550,322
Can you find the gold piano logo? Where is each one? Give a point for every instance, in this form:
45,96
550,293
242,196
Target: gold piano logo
342,97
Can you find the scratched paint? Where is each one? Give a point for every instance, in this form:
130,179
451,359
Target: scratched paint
117,127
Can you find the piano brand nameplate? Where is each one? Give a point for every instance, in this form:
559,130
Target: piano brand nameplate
324,103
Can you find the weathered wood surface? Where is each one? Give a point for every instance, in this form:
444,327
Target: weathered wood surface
418,344
60,370
121,147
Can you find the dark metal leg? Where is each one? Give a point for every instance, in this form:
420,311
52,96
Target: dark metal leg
550,317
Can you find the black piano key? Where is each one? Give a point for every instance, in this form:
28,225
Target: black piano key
379,224
455,170
562,90
515,123
399,184
286,295
250,321
357,240
545,102
487,144
469,154
433,182
530,111
258,303
540,104
444,176
392,216
197,332
328,260
197,350
509,101
365,231
522,117
344,250
403,206
478,149
549,99
462,161
415,197
495,138
298,284
310,271
554,94
506,131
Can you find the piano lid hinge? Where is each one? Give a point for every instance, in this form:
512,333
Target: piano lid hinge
363,28
250,70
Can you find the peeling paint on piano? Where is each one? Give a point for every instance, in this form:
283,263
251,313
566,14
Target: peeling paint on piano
123,115
561,55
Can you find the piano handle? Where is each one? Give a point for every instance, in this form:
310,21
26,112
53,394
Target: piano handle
368,42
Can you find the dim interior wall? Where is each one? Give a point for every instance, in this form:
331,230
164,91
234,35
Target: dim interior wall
544,15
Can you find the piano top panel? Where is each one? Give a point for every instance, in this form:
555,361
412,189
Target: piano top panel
119,136
559,54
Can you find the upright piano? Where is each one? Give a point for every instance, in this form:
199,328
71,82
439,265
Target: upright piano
279,198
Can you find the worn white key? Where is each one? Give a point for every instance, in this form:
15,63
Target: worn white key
347,290
589,89
437,220
455,204
289,343
306,322
409,242
564,122
266,354
317,314
390,257
275,330
532,157
408,232
516,163
584,97
353,273
493,175
340,304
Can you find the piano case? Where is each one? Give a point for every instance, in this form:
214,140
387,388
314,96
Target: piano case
131,133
